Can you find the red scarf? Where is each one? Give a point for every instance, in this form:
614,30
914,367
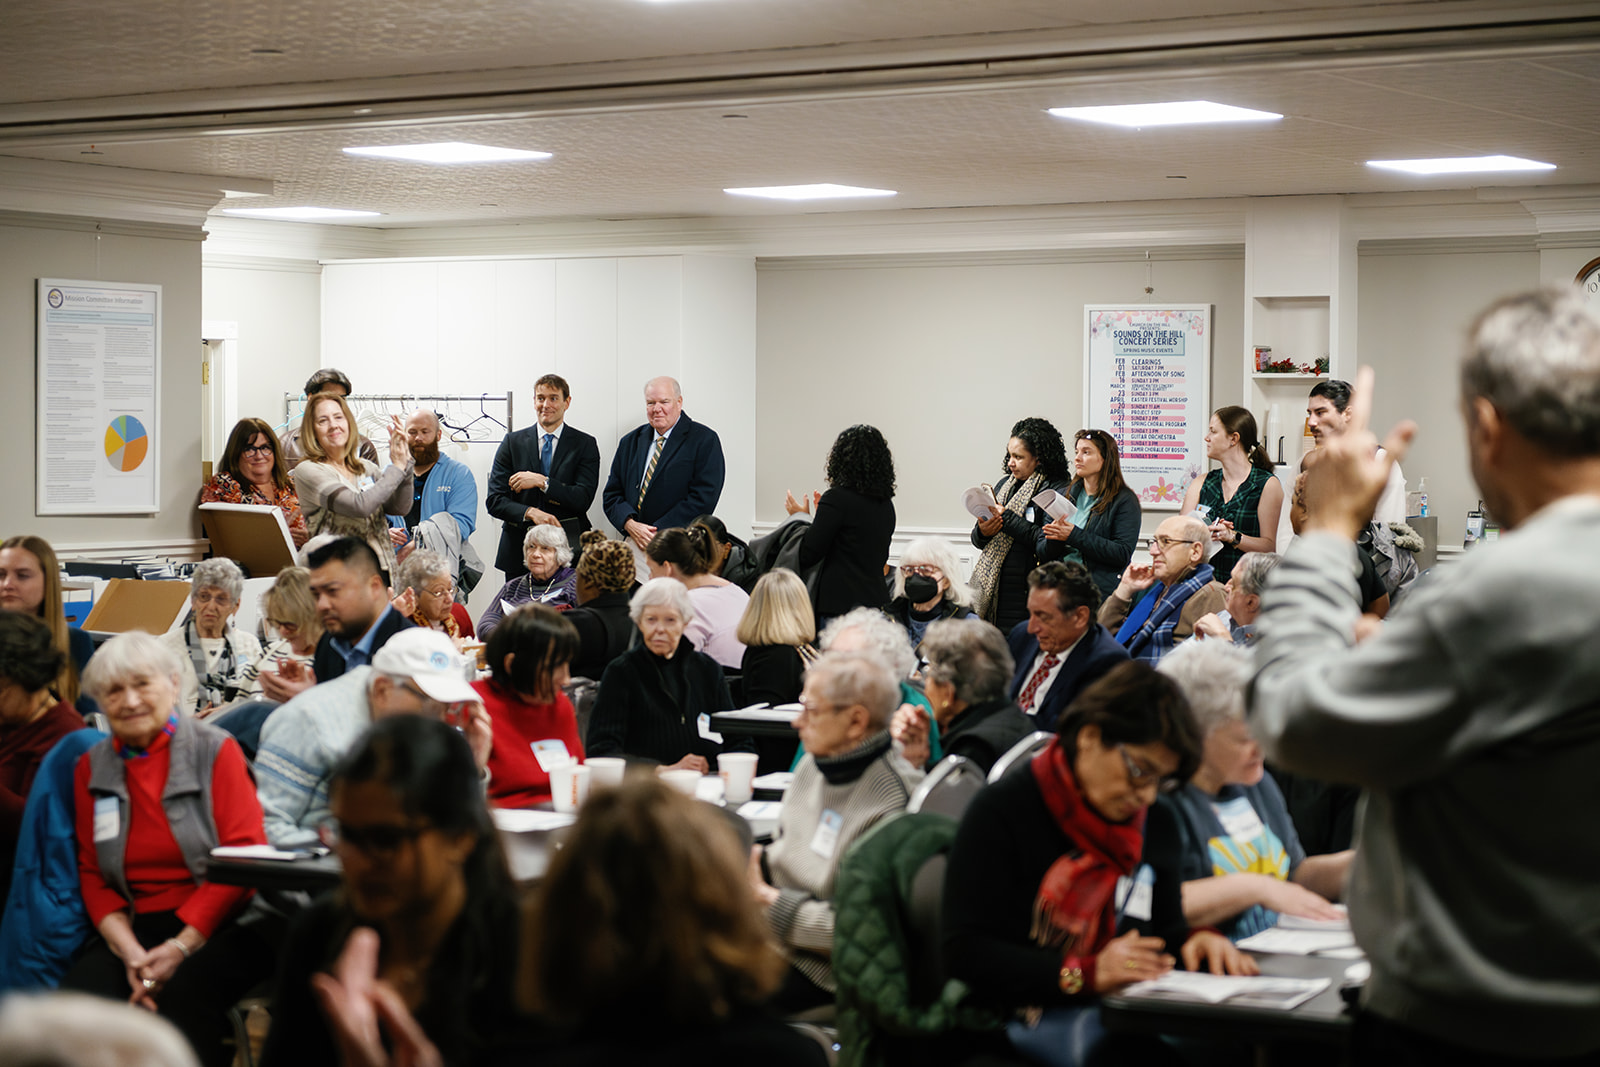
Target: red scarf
1074,908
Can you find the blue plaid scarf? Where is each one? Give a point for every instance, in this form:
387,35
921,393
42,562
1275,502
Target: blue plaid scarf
1147,632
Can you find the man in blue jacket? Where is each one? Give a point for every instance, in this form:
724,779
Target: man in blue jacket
666,472
439,483
1060,650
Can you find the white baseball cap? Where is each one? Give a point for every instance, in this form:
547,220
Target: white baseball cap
428,658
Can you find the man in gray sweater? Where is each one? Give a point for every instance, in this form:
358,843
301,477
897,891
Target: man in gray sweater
1473,718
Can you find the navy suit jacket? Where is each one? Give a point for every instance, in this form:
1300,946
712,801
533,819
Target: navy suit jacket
687,482
1094,655
574,477
328,664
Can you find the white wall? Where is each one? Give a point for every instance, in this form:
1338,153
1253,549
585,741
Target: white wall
943,360
1415,311
168,255
278,309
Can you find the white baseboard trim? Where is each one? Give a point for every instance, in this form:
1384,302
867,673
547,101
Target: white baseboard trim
181,550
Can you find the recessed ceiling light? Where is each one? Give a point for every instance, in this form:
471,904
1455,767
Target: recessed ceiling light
446,152
1175,113
299,213
1459,165
824,191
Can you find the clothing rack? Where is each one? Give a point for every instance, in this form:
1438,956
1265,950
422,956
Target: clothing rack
466,417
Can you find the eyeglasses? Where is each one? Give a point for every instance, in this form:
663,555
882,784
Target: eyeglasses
441,592
1161,544
374,842
925,569
1089,435
1140,778
284,627
258,450
209,597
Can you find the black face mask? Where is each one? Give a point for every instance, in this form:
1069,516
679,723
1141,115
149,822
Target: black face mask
920,588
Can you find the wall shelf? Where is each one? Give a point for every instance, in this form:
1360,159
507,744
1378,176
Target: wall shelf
1269,376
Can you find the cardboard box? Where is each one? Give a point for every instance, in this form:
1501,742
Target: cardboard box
252,535
133,604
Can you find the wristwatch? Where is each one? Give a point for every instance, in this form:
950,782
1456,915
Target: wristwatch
1238,538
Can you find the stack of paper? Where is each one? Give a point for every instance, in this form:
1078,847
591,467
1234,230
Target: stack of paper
979,500
1055,504
529,820
1288,942
1254,991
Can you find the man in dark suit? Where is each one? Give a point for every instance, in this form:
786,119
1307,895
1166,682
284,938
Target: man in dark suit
353,604
543,474
666,472
1060,650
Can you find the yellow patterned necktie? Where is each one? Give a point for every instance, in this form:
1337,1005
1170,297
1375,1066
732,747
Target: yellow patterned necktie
650,470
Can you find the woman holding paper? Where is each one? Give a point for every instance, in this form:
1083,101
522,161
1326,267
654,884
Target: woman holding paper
342,493
1052,898
1102,523
252,471
1242,500
1242,864
1012,536
550,580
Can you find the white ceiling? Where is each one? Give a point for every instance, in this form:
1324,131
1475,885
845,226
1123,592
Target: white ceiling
942,100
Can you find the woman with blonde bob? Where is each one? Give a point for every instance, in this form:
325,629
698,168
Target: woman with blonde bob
646,916
928,587
343,494
777,629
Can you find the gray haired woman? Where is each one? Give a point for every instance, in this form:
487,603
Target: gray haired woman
656,700
428,576
217,660
968,671
550,580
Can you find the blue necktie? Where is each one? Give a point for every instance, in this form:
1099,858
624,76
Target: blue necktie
544,452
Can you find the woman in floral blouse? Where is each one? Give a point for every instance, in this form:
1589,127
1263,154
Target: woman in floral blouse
252,472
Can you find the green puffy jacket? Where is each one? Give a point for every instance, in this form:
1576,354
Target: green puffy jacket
873,953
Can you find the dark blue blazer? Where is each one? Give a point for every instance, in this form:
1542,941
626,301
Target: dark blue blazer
1091,658
326,662
687,482
574,478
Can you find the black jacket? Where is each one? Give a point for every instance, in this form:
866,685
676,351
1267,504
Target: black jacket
849,540
984,732
772,673
687,482
574,477
1106,540
648,707
328,664
604,632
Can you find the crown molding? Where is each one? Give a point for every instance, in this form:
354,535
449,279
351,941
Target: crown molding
49,187
285,266
41,221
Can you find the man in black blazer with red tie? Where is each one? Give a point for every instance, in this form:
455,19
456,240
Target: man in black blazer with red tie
1060,651
546,473
667,472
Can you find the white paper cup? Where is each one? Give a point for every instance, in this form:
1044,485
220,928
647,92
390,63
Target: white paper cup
681,780
569,785
606,771
738,770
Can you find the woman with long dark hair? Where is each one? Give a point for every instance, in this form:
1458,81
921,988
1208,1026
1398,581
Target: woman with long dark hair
252,471
684,554
1012,537
1242,499
1104,527
848,541
427,906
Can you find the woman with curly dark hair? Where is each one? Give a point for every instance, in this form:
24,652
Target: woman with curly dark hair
1012,537
848,543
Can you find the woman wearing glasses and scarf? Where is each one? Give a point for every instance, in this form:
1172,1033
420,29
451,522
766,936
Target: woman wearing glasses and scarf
1012,537
219,660
1051,898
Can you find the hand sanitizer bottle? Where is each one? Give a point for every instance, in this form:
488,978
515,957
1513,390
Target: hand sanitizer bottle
1422,498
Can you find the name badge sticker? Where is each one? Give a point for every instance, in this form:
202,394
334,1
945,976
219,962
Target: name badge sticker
1137,902
826,839
107,818
1239,820
551,753
702,723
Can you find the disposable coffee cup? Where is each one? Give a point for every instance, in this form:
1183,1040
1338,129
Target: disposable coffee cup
681,780
569,785
738,770
606,771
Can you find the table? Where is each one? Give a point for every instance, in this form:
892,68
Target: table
312,874
772,728
1324,1019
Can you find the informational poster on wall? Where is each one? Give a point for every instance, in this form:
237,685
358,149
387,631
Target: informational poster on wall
99,403
1147,382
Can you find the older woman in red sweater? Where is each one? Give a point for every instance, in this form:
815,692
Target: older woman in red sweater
152,801
530,655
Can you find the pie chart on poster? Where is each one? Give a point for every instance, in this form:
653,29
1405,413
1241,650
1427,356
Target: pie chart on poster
127,443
